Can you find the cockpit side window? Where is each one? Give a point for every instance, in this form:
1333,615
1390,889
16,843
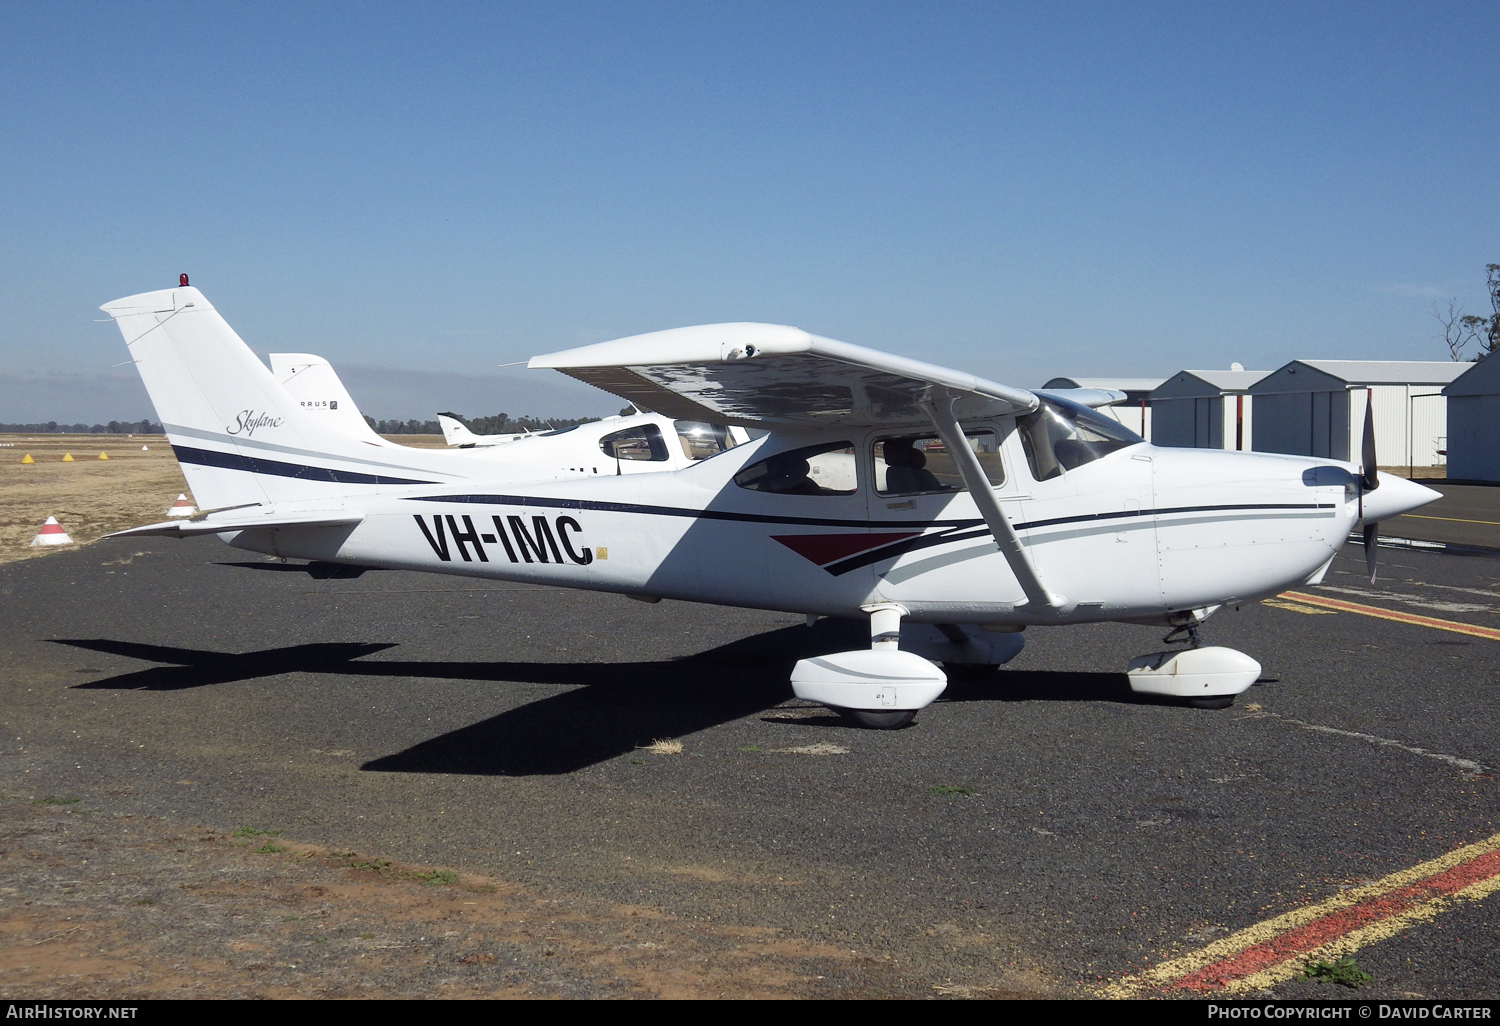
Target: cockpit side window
826,469
1059,436
917,464
701,440
642,442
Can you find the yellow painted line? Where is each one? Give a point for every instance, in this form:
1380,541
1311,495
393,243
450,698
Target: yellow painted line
1362,938
1297,607
1451,520
1260,933
1390,614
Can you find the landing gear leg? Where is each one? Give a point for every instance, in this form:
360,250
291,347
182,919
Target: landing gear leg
1174,636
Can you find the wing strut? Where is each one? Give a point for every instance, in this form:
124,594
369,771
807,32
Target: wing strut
1037,595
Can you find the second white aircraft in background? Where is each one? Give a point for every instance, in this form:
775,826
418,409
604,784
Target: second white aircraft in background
632,444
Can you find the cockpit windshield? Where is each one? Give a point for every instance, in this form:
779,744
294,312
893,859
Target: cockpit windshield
1060,435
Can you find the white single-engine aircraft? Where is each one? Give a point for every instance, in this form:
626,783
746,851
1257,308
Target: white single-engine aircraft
952,511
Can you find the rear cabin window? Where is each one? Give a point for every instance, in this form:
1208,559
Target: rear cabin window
642,442
1059,436
919,464
826,469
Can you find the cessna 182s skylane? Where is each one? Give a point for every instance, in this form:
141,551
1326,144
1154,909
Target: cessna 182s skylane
952,511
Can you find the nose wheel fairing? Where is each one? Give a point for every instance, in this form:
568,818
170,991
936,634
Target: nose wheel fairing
1195,673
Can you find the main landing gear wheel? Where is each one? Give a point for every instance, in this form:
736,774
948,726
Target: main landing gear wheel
875,719
880,687
1214,702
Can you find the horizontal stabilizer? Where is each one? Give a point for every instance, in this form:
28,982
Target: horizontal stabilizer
763,375
243,520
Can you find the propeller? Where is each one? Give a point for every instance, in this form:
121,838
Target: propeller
1369,480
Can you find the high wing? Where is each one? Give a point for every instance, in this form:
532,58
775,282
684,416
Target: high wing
770,375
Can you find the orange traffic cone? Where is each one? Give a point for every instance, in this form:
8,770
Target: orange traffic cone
27,458
51,534
67,457
104,456
183,507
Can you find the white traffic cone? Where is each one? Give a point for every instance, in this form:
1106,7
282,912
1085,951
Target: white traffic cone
183,507
51,534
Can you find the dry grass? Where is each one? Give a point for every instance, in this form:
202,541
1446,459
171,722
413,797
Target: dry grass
664,746
89,497
818,748
418,441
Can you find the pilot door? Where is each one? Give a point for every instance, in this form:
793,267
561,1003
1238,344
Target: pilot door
936,551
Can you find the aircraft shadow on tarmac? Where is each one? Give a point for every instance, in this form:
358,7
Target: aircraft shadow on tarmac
316,570
610,709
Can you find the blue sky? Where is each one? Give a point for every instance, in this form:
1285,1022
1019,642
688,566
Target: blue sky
1016,190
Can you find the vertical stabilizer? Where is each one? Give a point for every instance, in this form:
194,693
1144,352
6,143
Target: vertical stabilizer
238,434
454,432
312,382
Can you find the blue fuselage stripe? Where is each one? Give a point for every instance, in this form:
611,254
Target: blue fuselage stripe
256,465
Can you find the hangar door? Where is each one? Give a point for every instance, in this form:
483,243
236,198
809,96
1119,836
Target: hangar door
1191,423
1330,425
1303,423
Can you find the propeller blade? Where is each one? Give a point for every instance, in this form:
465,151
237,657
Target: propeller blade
1372,531
1369,479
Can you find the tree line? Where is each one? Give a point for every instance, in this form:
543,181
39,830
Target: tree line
499,424
114,427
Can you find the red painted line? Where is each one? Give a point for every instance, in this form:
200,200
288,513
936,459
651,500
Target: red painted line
1331,927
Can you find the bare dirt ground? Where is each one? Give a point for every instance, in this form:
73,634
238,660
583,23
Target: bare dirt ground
91,497
111,906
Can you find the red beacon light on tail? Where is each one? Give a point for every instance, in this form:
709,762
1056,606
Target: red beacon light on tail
182,281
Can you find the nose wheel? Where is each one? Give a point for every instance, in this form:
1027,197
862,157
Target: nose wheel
1205,678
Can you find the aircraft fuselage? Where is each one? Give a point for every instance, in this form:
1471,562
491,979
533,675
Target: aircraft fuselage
1135,535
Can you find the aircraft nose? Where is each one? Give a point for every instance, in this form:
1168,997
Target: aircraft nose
1396,495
